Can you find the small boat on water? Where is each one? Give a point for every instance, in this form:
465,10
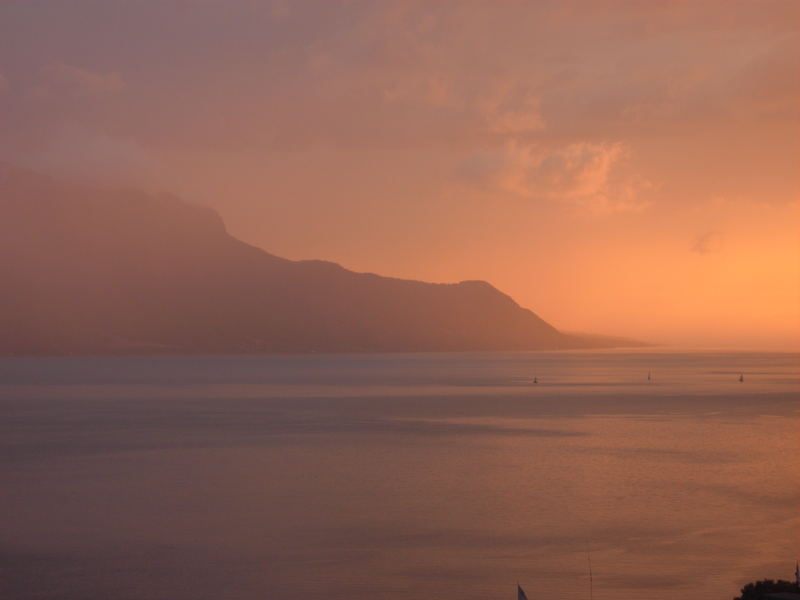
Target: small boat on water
741,377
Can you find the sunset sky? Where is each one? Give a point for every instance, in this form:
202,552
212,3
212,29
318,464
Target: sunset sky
630,168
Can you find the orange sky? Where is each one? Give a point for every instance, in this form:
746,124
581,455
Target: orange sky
619,167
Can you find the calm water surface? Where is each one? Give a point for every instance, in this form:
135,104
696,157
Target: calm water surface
421,476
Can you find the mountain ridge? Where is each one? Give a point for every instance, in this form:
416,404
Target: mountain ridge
97,270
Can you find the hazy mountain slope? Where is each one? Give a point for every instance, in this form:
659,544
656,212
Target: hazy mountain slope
91,270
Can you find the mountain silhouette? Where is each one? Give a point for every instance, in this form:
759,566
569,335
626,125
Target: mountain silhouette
92,270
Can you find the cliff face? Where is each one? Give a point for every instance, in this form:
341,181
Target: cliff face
91,270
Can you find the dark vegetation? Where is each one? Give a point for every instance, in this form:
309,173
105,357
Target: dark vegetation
763,589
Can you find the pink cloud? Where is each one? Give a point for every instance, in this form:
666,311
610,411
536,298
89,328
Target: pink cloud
580,173
80,80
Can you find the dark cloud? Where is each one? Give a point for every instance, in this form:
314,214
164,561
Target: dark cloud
705,242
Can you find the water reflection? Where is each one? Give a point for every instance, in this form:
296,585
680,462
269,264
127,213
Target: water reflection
397,476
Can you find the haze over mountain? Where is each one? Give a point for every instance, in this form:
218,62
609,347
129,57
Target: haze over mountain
94,270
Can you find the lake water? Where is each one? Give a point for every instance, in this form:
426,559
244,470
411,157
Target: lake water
421,476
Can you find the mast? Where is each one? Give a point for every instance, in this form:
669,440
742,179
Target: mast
591,582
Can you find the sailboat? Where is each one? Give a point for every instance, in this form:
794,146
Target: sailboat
521,593
741,377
